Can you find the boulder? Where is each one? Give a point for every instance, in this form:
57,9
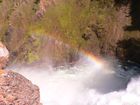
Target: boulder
17,90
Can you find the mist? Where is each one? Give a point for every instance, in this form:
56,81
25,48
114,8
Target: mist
83,84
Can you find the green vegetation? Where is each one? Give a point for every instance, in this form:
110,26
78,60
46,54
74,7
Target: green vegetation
32,57
71,18
91,25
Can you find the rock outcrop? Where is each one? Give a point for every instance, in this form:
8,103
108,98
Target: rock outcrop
43,5
4,55
17,90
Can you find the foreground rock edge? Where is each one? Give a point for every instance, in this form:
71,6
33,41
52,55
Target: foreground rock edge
15,89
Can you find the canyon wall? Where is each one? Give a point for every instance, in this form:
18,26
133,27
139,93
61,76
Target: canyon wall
105,28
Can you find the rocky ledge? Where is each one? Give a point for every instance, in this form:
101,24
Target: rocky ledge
17,90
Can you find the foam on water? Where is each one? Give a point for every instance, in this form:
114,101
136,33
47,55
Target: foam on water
83,85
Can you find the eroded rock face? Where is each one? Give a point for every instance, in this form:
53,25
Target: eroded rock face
17,90
43,5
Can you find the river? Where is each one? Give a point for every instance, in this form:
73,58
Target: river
86,83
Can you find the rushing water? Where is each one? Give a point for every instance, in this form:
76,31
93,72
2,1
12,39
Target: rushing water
85,84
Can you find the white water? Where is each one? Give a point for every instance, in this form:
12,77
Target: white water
83,85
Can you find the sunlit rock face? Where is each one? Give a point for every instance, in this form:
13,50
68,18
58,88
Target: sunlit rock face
17,90
4,55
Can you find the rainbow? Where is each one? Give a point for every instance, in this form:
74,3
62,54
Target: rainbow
97,61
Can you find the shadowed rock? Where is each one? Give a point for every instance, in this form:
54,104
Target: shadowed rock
129,50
